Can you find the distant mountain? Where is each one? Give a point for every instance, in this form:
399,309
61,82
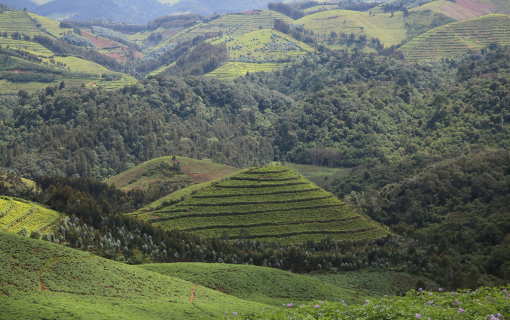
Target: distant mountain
20,4
129,11
208,7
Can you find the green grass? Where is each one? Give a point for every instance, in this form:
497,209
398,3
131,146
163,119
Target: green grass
16,215
232,70
321,176
12,21
267,204
377,283
458,38
390,30
258,284
41,280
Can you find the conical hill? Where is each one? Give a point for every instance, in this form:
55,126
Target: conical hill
268,203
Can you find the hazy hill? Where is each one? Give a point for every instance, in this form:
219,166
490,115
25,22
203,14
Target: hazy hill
129,11
208,7
20,4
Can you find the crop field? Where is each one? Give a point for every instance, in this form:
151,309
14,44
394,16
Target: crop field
390,30
49,25
258,284
41,280
110,48
14,215
263,46
457,38
232,70
266,203
12,21
321,176
368,283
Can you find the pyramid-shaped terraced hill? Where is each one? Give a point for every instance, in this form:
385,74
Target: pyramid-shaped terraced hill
16,214
268,203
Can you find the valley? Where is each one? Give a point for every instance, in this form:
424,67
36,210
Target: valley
254,160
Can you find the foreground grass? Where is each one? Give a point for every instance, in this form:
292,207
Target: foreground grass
484,303
258,284
41,280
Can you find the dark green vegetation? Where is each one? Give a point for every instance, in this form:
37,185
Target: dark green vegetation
485,303
264,285
40,281
267,203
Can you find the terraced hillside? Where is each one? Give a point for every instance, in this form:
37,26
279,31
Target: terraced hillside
258,284
458,38
16,214
42,280
266,203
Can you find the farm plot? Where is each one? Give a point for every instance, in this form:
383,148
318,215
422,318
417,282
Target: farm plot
458,38
266,203
232,70
16,215
17,21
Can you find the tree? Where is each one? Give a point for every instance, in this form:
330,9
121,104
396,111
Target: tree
62,85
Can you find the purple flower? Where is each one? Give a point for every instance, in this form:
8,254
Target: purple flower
234,313
289,305
420,289
430,293
316,306
461,310
417,316
440,289
367,301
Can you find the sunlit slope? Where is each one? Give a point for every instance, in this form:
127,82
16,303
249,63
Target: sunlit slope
259,284
267,203
458,38
41,280
390,30
16,214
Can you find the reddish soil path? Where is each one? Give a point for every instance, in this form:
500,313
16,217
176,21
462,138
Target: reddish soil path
192,295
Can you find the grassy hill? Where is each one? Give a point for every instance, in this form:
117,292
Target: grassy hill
258,284
164,175
40,280
458,38
16,214
267,203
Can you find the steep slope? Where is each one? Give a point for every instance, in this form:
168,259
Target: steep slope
39,280
17,214
458,38
267,203
259,284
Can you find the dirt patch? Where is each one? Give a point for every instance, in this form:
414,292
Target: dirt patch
475,6
192,294
154,216
42,287
18,71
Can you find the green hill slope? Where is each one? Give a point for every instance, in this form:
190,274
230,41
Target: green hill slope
458,38
266,203
39,280
16,214
259,284
164,175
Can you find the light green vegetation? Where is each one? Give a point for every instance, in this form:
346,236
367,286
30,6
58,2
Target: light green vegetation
232,70
390,30
321,176
457,38
16,215
267,205
258,284
376,284
263,46
49,25
12,21
324,6
485,303
41,280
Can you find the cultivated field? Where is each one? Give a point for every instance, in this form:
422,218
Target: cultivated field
41,280
258,284
17,214
232,70
268,203
321,176
458,38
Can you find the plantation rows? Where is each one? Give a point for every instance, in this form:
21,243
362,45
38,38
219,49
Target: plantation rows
16,215
17,21
457,38
247,206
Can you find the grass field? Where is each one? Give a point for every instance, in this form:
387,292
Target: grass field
12,21
259,284
232,70
49,25
268,203
16,215
41,280
368,283
390,30
458,38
